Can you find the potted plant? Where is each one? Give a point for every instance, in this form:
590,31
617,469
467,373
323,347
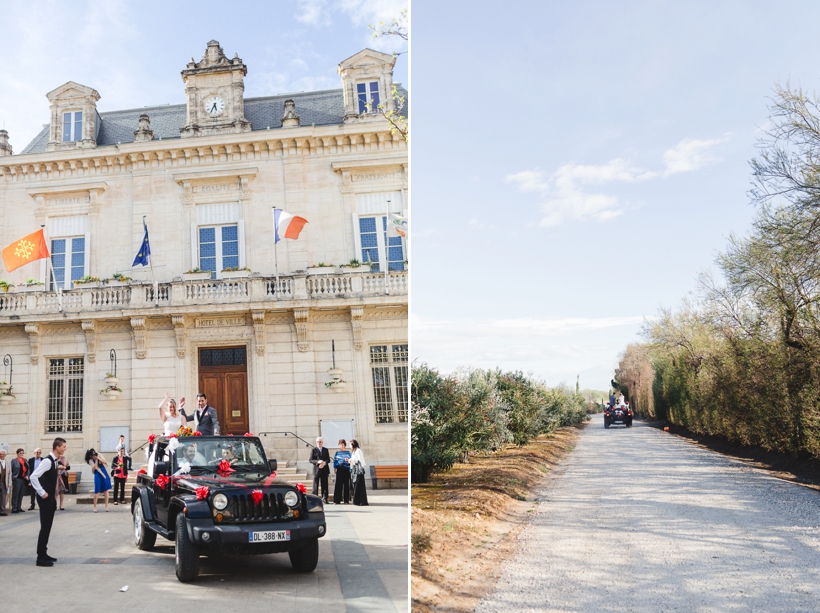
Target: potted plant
321,269
6,286
335,382
31,285
236,273
87,281
4,387
196,274
7,397
112,391
117,280
111,380
355,265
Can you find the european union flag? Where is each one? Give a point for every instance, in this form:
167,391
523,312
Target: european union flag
145,250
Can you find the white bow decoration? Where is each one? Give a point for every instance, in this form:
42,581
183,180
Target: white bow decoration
173,444
184,469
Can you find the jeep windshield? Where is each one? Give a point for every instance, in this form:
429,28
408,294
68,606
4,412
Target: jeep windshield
205,455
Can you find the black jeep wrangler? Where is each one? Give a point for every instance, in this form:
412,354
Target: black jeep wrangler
219,494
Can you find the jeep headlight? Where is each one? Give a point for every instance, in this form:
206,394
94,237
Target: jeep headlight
220,501
291,499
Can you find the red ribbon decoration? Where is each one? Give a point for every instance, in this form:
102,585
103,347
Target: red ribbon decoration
225,467
257,496
248,434
270,479
162,481
202,492
152,438
172,436
301,487
142,471
197,433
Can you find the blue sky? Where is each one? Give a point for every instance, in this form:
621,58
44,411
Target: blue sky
132,52
576,164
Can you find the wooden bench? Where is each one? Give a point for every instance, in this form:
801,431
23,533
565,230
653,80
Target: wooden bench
73,481
387,472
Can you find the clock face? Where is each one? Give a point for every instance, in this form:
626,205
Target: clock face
214,106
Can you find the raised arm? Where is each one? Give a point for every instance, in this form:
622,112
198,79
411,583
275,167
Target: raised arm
162,406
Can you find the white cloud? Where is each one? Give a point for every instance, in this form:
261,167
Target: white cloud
313,12
691,154
564,195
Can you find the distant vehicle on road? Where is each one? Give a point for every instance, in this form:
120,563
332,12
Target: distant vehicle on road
618,414
220,494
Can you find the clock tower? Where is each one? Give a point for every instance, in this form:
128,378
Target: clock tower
214,88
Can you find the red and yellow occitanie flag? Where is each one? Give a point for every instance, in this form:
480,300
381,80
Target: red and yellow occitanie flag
27,249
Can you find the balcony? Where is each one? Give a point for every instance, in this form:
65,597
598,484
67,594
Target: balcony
293,289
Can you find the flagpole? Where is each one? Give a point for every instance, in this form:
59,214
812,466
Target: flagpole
151,265
387,249
275,259
57,288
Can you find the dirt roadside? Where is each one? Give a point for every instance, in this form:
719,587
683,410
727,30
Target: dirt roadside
465,521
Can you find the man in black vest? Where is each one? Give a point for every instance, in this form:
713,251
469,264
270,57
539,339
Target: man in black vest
207,422
44,482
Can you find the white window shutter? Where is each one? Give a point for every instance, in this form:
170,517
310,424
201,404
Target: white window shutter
240,233
194,246
357,239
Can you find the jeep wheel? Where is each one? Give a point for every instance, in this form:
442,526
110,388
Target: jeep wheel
606,424
144,537
187,552
305,559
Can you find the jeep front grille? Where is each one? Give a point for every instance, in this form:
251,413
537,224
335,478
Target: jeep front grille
271,508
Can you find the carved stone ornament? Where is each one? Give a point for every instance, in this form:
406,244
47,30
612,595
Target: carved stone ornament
33,331
140,332
356,315
90,340
5,148
144,133
290,119
302,319
259,331
179,333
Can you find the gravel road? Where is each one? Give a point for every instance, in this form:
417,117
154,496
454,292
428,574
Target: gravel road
640,520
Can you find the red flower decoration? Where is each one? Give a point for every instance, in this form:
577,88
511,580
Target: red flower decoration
225,467
257,496
202,492
152,438
230,435
197,433
248,434
162,481
142,471
172,436
301,487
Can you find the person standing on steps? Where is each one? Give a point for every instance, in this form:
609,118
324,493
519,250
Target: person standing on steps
207,422
44,482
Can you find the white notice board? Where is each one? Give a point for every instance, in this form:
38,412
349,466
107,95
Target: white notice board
110,436
335,429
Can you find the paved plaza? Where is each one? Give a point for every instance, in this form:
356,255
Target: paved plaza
363,566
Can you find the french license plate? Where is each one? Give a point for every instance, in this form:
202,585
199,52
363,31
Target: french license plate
269,536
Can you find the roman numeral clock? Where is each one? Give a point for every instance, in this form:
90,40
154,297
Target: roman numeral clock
215,88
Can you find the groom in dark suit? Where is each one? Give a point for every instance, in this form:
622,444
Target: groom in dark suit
320,458
207,421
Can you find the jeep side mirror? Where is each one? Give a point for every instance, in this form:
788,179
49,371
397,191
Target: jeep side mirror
160,468
272,464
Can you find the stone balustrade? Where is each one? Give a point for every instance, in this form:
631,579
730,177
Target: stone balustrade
207,292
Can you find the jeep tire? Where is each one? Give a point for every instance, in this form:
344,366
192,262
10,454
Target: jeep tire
305,559
186,551
144,537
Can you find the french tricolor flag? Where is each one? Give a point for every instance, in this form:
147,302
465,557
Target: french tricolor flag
286,225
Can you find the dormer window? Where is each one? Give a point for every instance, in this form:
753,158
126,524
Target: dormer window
72,127
368,94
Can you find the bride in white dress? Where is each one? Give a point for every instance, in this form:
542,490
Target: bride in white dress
171,420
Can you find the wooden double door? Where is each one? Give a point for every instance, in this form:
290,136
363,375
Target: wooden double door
223,377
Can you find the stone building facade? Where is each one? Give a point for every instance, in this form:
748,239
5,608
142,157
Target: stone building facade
205,176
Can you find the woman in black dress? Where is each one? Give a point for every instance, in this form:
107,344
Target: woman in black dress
357,469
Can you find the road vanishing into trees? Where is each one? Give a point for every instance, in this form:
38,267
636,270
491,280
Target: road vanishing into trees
641,520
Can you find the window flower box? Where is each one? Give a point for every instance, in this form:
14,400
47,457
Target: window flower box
30,287
321,270
86,282
197,276
361,268
236,274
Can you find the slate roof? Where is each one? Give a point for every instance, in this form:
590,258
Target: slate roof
320,108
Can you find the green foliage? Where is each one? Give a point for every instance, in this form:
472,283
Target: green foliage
478,411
